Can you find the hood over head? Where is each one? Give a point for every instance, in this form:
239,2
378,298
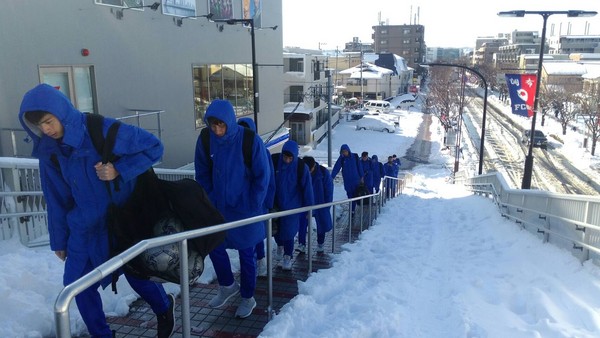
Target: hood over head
248,123
345,147
292,147
44,97
223,110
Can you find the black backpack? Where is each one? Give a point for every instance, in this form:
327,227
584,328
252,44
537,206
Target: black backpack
247,144
300,167
153,200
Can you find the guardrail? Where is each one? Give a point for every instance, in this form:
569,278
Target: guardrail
65,297
571,222
22,204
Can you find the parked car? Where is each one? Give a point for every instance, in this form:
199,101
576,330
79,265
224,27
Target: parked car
378,106
377,123
357,114
539,139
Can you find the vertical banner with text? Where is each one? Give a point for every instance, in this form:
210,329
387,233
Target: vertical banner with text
521,88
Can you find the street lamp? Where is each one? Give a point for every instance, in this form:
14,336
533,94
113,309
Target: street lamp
249,22
485,94
528,170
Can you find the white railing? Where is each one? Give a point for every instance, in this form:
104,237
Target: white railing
22,204
571,222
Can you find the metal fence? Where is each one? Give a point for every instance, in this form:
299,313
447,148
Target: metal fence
22,204
571,222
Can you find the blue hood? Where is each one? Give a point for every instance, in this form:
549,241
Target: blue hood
249,122
47,98
223,110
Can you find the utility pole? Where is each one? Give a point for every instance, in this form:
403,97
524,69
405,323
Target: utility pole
329,140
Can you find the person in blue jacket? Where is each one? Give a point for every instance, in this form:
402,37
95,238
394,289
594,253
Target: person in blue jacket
73,182
261,263
378,172
237,192
367,168
291,192
322,184
391,169
352,171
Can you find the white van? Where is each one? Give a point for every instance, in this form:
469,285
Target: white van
378,106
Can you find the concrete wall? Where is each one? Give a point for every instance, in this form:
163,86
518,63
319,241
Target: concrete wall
143,61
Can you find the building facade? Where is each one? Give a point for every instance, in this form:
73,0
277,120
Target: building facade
141,63
406,41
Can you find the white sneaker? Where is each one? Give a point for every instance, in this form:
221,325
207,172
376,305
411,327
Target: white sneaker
286,263
261,267
320,248
279,253
245,308
223,295
301,248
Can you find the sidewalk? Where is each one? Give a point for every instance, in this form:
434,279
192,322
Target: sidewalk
207,322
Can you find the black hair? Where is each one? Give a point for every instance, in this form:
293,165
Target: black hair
35,116
244,124
287,153
214,120
364,153
310,161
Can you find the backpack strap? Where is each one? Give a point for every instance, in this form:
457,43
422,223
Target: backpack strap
104,146
247,144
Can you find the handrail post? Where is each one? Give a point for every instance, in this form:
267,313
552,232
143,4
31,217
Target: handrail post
184,277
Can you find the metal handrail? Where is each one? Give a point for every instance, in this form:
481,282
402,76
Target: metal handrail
64,298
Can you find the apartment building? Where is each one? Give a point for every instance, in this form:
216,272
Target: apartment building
406,41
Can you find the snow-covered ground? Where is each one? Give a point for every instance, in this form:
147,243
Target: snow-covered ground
439,262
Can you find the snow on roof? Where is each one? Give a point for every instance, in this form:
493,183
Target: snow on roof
564,68
289,107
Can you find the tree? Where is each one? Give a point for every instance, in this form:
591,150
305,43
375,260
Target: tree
444,95
589,106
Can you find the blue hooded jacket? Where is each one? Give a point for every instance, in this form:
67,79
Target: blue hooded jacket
237,191
77,200
351,170
270,198
378,172
323,190
291,193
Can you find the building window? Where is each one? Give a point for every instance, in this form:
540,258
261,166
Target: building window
383,42
296,94
76,82
406,41
406,31
294,65
232,82
383,31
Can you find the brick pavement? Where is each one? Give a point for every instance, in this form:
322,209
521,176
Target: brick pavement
221,323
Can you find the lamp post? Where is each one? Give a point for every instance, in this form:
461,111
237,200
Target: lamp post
485,94
250,22
528,170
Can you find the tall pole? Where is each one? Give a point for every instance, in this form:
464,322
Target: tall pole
362,91
528,170
254,74
485,94
329,141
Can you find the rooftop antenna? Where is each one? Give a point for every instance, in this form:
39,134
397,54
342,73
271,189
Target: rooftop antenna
418,15
410,15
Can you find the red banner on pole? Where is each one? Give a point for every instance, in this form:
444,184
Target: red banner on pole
521,88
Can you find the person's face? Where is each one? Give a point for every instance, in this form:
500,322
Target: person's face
345,152
365,157
287,159
51,127
218,127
